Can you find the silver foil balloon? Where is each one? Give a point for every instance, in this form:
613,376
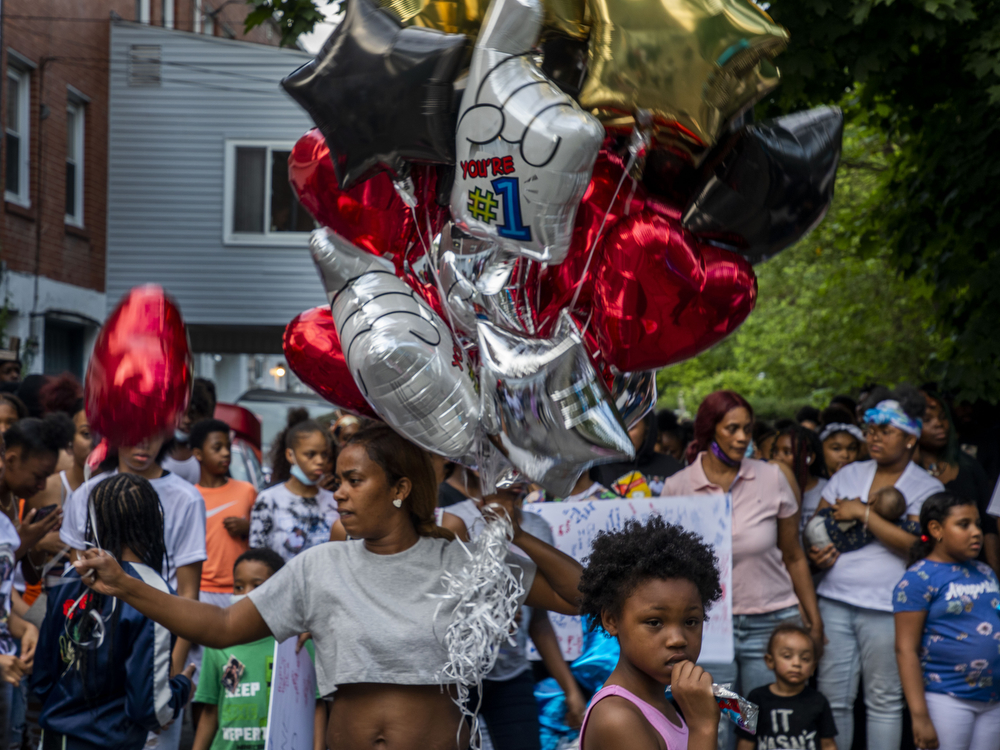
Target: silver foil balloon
401,354
545,407
476,280
524,149
634,394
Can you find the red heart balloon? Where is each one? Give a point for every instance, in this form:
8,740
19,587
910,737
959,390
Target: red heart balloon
139,377
312,349
653,294
661,296
371,215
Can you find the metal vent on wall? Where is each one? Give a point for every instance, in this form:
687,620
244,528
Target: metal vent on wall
144,65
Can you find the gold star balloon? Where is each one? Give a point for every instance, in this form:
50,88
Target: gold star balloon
562,17
693,64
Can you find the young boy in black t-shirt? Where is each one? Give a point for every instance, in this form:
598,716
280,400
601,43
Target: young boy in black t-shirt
792,714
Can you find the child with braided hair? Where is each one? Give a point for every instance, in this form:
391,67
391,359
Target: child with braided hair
103,669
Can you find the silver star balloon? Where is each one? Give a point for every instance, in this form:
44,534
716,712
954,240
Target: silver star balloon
401,354
525,149
634,394
475,281
545,407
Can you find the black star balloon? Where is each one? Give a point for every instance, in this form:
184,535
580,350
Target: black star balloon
381,94
773,186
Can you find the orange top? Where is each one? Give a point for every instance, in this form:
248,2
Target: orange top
234,498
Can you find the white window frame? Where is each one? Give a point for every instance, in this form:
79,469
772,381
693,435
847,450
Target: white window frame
142,8
267,237
23,195
80,110
168,14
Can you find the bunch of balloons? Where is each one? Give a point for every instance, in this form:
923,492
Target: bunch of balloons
528,210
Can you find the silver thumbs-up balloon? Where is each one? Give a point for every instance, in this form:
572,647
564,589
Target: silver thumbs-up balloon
525,150
401,354
546,408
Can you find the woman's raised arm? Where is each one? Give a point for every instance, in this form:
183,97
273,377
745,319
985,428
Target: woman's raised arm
556,586
205,624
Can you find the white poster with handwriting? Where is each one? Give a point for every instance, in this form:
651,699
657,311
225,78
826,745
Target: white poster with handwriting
291,711
574,526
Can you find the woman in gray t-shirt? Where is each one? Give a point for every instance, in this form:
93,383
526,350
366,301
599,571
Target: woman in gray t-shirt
372,604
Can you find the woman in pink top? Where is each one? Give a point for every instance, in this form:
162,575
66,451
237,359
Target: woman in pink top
770,571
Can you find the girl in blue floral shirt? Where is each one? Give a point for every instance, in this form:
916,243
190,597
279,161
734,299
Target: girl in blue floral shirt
948,631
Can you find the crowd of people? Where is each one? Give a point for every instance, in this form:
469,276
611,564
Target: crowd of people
145,594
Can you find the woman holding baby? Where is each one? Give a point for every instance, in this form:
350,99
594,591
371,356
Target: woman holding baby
855,595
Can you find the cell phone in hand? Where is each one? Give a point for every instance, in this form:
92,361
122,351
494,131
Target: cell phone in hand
42,512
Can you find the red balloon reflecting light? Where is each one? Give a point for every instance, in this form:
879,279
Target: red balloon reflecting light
371,215
312,349
653,294
660,296
139,377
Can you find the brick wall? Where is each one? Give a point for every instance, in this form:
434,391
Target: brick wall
68,41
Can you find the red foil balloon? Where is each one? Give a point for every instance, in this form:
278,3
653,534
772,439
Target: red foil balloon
371,215
139,377
558,283
312,349
661,296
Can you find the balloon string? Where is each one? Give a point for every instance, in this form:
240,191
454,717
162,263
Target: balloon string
639,138
431,262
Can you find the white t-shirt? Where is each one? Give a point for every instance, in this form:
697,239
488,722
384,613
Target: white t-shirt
867,577
810,502
289,523
183,521
10,540
189,469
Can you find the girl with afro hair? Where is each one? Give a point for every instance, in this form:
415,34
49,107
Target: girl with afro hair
649,585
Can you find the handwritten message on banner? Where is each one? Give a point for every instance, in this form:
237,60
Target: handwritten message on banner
574,526
292,708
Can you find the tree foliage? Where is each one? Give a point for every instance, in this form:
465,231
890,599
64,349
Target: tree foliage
829,319
294,17
927,76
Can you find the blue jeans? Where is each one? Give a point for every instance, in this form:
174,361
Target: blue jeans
861,641
6,700
750,636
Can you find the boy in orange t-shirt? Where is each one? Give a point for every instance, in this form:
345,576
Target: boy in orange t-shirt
227,509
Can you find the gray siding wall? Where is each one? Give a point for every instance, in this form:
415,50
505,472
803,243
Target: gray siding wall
166,155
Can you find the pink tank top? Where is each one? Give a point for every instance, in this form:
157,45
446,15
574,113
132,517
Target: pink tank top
675,737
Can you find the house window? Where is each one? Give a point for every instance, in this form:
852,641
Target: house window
142,11
74,163
17,130
204,22
144,64
261,207
168,14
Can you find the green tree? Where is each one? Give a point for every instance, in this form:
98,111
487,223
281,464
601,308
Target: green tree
829,318
927,73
